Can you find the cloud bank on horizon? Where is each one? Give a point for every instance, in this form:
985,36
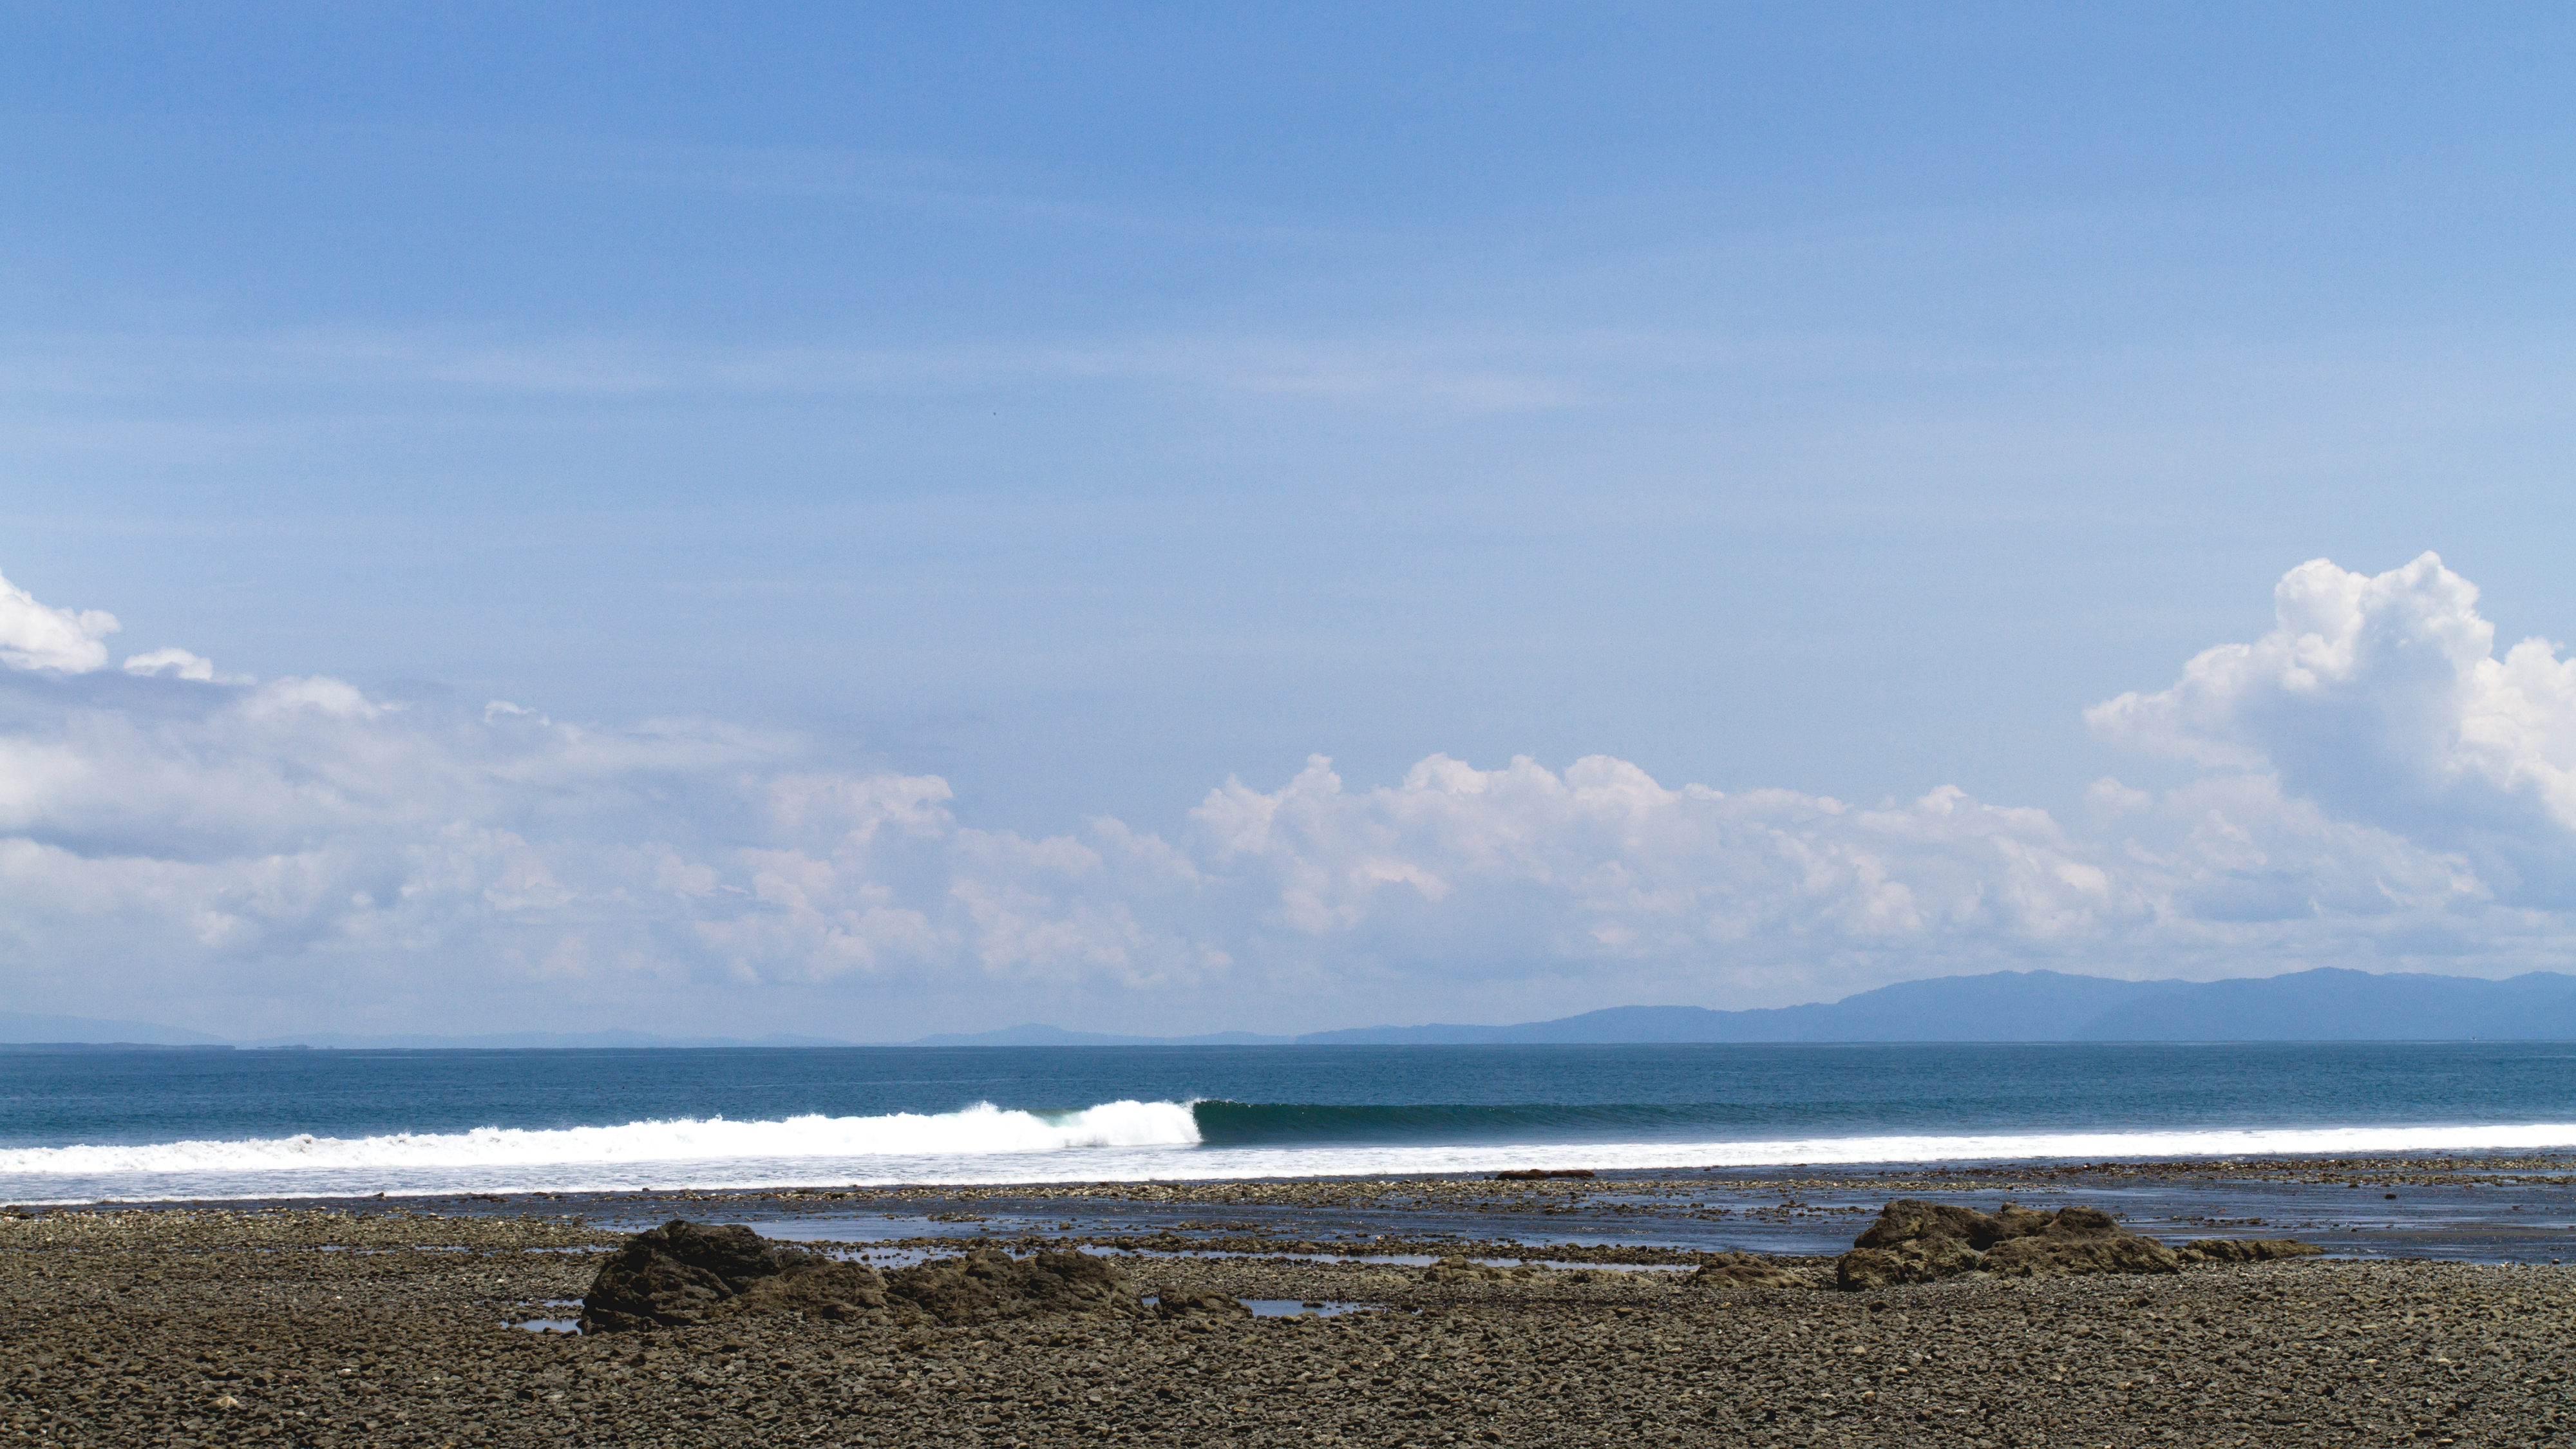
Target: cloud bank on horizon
2379,788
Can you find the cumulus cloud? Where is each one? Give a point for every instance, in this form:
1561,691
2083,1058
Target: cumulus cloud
2370,687
298,852
2381,698
177,663
304,844
1742,893
1603,858
33,636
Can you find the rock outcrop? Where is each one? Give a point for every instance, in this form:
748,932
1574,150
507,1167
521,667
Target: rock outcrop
1747,1270
1921,1242
2078,1240
986,1285
1458,1269
678,1273
685,1273
1201,1305
2245,1250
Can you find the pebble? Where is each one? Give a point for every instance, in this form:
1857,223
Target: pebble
330,1328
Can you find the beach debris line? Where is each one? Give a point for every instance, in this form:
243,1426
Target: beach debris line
1540,1174
685,1273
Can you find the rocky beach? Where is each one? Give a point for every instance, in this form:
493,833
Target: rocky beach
387,1323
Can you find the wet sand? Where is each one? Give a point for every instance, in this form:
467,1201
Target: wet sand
2481,1209
384,1324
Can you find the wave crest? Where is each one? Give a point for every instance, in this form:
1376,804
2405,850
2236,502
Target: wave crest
978,1130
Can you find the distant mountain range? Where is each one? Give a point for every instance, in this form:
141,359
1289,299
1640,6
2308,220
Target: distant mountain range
2328,1004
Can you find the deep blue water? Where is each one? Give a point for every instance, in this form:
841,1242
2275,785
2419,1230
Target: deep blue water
1303,1093
99,1123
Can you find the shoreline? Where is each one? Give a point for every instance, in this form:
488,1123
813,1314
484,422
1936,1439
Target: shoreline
2501,1208
2426,1166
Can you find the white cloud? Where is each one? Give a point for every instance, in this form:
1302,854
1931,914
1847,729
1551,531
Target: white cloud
1474,873
33,636
298,852
177,663
2380,693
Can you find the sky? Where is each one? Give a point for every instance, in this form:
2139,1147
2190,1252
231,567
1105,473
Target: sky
871,520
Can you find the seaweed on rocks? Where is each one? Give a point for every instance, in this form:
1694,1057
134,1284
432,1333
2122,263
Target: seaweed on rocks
683,1273
1458,1268
2079,1240
986,1285
1748,1270
1922,1242
1201,1305
678,1273
2246,1250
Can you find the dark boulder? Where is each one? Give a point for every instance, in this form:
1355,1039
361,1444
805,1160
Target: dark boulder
678,1273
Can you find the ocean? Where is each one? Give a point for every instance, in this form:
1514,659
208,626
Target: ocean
174,1125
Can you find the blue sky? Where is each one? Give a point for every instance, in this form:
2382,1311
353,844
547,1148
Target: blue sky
1083,408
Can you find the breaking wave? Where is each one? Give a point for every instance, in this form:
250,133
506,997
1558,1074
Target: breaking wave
1128,1141
978,1130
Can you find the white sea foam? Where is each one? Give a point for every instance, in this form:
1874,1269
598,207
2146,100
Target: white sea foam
980,1129
1126,1141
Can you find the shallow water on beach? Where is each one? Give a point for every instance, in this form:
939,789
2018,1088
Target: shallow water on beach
2526,1214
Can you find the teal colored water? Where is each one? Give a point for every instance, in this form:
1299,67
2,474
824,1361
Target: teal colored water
121,1124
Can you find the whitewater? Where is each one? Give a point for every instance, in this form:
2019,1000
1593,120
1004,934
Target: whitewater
1125,1140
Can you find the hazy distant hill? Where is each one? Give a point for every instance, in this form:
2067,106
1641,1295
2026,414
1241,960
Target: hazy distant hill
1028,1036
2328,1004
2003,1006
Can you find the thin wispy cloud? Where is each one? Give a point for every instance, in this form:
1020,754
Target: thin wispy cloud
1465,374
